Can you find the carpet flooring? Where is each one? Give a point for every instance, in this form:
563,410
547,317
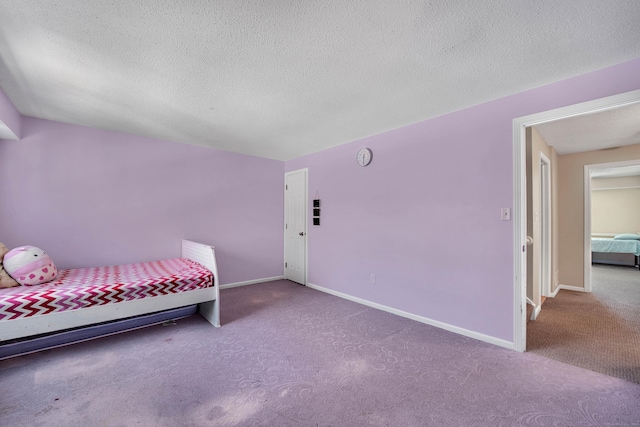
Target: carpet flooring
599,331
288,355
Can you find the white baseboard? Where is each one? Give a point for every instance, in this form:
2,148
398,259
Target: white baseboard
431,322
251,282
568,288
536,312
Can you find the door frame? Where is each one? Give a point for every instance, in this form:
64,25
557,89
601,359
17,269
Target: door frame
306,222
520,196
587,212
545,227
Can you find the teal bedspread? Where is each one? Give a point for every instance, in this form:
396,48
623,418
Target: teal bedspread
617,246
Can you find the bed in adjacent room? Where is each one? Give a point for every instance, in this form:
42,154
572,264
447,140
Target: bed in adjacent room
622,249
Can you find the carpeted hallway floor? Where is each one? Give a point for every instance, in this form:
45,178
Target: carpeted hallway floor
599,331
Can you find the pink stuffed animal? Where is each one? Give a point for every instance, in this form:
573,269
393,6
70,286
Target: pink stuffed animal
29,265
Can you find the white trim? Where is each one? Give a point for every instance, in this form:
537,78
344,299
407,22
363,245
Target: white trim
631,187
545,227
519,234
425,320
587,213
568,288
251,282
536,311
586,234
587,107
520,194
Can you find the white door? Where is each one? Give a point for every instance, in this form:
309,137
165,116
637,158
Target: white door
295,226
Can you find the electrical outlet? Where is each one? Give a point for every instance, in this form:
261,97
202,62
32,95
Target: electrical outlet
372,278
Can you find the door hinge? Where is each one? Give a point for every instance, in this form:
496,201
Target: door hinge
285,265
286,187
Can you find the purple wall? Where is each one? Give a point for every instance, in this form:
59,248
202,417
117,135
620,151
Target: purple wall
9,115
91,197
424,216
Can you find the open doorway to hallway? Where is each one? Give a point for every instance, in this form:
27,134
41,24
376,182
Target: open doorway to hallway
588,321
567,227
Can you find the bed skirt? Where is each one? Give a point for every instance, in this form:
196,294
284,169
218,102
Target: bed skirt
613,258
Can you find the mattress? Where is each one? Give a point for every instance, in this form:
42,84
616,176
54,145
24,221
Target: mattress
617,246
86,287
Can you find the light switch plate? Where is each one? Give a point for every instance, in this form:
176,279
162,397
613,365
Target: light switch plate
505,214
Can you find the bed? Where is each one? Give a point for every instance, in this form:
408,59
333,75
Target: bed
90,296
615,251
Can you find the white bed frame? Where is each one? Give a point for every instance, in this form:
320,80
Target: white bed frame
208,300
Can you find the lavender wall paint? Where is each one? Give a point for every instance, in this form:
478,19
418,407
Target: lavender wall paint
424,217
92,197
9,116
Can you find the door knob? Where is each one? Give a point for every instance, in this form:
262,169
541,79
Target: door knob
301,233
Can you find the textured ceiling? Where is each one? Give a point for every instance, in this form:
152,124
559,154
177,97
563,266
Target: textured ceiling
607,129
284,78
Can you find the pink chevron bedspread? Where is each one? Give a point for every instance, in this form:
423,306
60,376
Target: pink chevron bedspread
87,287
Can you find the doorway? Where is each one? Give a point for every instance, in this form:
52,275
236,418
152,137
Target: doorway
613,169
520,194
295,226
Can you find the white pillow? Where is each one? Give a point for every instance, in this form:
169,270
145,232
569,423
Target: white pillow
627,236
